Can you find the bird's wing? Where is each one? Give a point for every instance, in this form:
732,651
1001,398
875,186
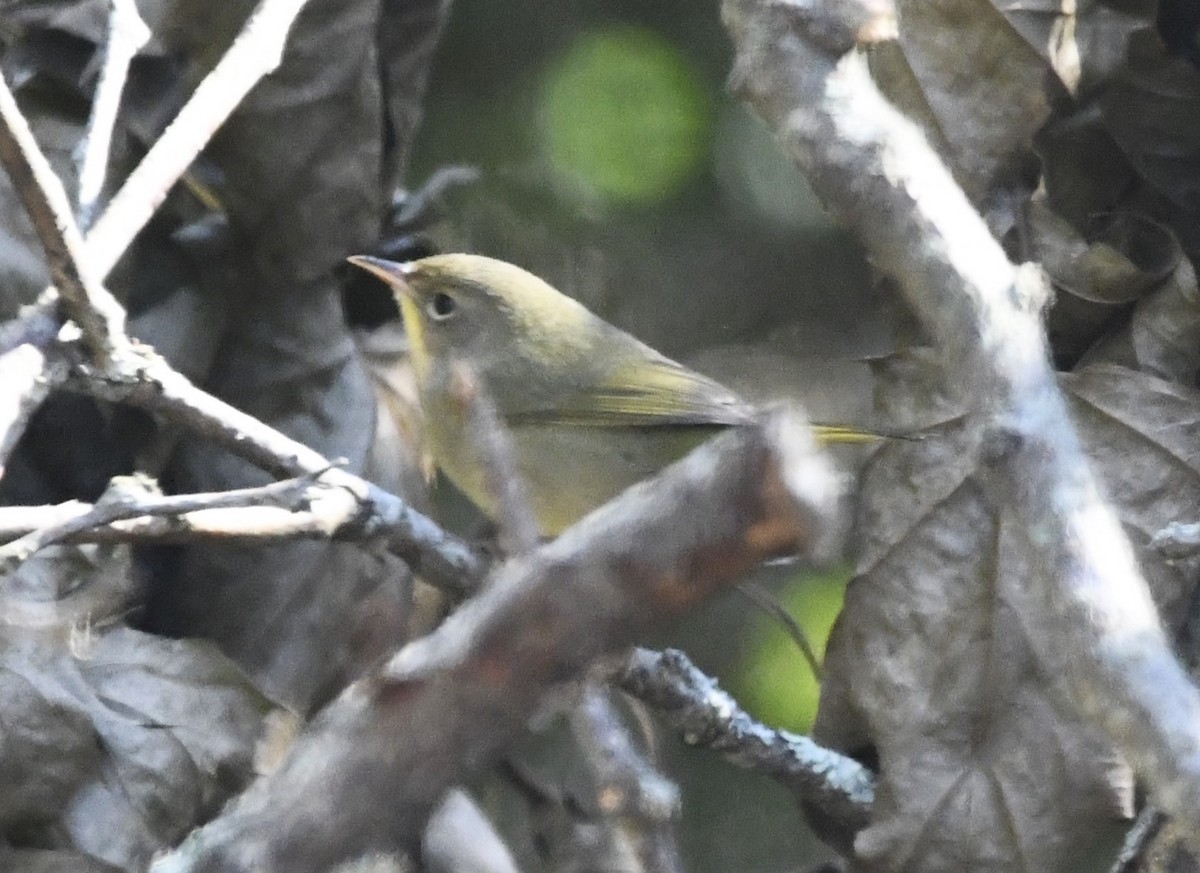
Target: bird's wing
656,391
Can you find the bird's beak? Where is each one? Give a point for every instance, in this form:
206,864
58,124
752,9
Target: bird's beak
394,274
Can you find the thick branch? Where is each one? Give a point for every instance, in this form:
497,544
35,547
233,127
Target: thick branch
380,757
870,164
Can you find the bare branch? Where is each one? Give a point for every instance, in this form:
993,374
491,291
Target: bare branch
769,604
796,66
256,52
147,381
126,34
707,716
643,803
384,753
1138,839
27,376
492,443
332,513
131,497
86,302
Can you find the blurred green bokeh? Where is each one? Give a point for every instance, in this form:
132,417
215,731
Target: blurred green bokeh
625,117
773,680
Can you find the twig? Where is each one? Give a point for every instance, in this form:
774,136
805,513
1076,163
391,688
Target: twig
707,716
28,371
86,302
27,376
36,325
142,377
643,803
256,52
148,382
795,63
1138,838
127,33
383,754
492,443
137,375
333,513
769,603
411,208
135,497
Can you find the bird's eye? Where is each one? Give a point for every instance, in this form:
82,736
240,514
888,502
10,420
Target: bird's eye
441,306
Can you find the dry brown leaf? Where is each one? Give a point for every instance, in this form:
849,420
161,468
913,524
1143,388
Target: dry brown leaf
1152,110
1132,142
1122,259
115,743
51,861
941,662
980,85
1162,337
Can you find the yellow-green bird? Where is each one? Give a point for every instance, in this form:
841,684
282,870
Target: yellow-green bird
589,408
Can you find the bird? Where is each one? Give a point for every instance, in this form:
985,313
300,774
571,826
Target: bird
589,408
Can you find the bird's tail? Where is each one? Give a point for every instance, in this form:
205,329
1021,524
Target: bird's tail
843,433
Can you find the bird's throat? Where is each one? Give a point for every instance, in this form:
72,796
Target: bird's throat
418,352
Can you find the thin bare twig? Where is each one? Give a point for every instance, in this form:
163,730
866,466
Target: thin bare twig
331,513
707,716
27,376
1138,839
256,52
86,302
127,33
134,497
147,381
796,64
492,443
769,604
641,801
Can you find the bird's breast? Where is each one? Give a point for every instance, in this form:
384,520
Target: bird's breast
567,470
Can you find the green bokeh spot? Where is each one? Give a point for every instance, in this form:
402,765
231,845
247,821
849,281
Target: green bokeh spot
774,682
625,116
